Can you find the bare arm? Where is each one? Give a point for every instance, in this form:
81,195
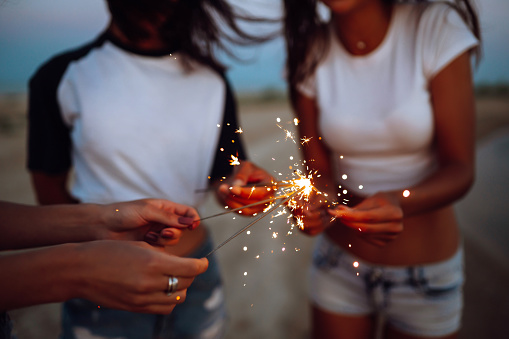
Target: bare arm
23,226
453,106
123,275
454,114
52,188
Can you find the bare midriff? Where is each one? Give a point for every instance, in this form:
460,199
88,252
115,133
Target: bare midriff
426,238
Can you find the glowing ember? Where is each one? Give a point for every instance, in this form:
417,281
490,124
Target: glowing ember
355,264
305,140
406,193
235,161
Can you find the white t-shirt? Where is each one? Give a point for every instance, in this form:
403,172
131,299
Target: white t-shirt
134,125
375,110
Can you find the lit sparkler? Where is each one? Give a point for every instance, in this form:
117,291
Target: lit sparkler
291,191
272,209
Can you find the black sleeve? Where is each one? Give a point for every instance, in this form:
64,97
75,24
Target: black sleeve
49,143
230,142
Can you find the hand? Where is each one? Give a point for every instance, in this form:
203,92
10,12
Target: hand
234,194
379,218
157,221
132,276
311,216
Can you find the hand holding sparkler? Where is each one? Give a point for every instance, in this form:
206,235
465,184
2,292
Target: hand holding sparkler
378,218
310,213
243,189
157,221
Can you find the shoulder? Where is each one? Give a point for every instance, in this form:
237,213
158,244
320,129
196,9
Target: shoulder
427,13
53,69
436,15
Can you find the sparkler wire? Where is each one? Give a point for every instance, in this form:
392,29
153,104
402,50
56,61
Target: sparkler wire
275,184
250,205
272,209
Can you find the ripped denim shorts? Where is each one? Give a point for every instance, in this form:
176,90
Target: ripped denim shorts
424,300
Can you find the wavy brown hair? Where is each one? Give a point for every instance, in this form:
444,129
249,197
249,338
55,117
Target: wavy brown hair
196,28
305,30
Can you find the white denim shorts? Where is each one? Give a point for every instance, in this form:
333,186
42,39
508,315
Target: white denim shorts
422,300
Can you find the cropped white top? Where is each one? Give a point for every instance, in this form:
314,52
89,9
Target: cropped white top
375,110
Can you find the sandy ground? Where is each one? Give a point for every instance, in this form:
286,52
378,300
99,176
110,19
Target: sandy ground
266,296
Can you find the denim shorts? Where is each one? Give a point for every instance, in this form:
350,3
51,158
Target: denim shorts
202,315
423,300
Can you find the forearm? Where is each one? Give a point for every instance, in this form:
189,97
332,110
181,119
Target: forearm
37,277
25,226
441,189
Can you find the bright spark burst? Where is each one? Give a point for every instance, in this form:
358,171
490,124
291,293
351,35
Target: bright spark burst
239,130
305,140
235,161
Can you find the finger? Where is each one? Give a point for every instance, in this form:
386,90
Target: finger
253,193
186,211
233,204
338,211
183,283
150,309
158,302
185,267
386,213
243,201
387,227
151,237
168,213
169,237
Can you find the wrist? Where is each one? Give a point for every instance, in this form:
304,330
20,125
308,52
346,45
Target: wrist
66,269
78,271
95,221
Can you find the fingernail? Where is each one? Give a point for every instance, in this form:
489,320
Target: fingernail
151,236
186,220
168,234
238,182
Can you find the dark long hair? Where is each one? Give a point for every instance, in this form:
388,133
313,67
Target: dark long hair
197,28
307,35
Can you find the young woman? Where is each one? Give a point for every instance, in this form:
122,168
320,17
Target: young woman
144,111
384,90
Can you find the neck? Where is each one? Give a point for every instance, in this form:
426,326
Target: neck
152,42
363,29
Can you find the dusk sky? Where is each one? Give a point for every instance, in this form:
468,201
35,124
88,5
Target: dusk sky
32,30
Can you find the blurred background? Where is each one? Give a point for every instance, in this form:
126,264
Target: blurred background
270,300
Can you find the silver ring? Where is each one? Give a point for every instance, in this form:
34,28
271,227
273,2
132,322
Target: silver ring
172,285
